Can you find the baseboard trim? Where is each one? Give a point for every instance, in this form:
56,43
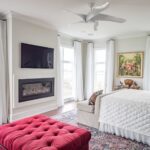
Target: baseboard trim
35,111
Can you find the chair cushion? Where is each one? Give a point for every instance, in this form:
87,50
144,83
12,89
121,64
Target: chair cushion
42,133
84,106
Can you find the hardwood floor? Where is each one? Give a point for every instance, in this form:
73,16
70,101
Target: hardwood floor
67,107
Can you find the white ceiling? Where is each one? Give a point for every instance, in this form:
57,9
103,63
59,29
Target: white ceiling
136,12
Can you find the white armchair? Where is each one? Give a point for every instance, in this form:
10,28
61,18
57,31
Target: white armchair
89,114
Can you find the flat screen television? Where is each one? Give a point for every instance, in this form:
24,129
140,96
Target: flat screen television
33,56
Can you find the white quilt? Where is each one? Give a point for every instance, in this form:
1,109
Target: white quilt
127,113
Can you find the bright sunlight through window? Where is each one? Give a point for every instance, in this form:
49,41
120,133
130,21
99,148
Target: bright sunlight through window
68,63
99,79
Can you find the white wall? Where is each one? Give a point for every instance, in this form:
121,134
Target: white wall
129,45
24,31
100,44
66,41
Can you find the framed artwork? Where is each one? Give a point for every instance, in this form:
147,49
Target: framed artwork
130,64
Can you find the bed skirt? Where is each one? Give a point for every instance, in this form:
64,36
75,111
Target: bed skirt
125,133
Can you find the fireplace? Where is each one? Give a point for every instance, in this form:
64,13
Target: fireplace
31,89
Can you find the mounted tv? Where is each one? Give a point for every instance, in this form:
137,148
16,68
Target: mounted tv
33,56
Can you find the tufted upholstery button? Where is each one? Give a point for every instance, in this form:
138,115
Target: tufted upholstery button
51,123
71,131
43,120
21,128
39,137
60,126
46,129
49,143
29,122
12,125
36,126
36,117
55,133
30,132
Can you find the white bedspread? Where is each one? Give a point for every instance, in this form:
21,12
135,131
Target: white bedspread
127,113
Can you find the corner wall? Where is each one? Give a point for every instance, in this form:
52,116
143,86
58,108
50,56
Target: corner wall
126,44
24,31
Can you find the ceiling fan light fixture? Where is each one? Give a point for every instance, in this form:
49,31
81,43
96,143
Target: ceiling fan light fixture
95,15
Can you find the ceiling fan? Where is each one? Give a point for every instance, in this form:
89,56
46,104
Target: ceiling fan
95,15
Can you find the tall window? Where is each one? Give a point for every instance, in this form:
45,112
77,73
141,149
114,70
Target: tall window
99,80
68,63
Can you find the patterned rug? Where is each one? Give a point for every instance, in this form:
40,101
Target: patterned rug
101,140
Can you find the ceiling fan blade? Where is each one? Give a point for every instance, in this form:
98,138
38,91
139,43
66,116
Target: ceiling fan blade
82,16
102,7
103,17
96,10
79,22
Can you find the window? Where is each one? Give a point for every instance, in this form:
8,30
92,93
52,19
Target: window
99,79
68,65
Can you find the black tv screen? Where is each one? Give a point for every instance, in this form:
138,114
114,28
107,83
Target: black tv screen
33,56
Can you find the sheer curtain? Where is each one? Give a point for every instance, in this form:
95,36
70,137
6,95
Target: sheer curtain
110,56
60,97
78,71
4,96
146,79
89,76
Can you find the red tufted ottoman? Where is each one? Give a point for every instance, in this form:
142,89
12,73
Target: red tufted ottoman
42,133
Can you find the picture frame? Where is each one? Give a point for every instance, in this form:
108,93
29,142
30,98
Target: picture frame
130,64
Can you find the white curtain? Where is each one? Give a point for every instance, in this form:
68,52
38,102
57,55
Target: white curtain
60,97
4,96
110,57
146,79
78,71
89,76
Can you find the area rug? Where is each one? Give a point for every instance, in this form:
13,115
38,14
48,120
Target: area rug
101,140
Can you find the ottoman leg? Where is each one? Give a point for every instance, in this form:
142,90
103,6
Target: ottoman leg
85,147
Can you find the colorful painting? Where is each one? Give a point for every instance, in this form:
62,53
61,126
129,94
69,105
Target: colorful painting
130,64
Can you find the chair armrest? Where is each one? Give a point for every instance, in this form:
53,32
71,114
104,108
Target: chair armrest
98,102
97,105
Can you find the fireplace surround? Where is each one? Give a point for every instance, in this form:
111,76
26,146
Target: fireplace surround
32,89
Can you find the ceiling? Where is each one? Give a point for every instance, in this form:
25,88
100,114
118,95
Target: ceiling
136,12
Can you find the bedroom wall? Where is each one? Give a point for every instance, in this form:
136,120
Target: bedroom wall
129,45
124,44
22,30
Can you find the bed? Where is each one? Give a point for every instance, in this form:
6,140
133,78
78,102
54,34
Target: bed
126,113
